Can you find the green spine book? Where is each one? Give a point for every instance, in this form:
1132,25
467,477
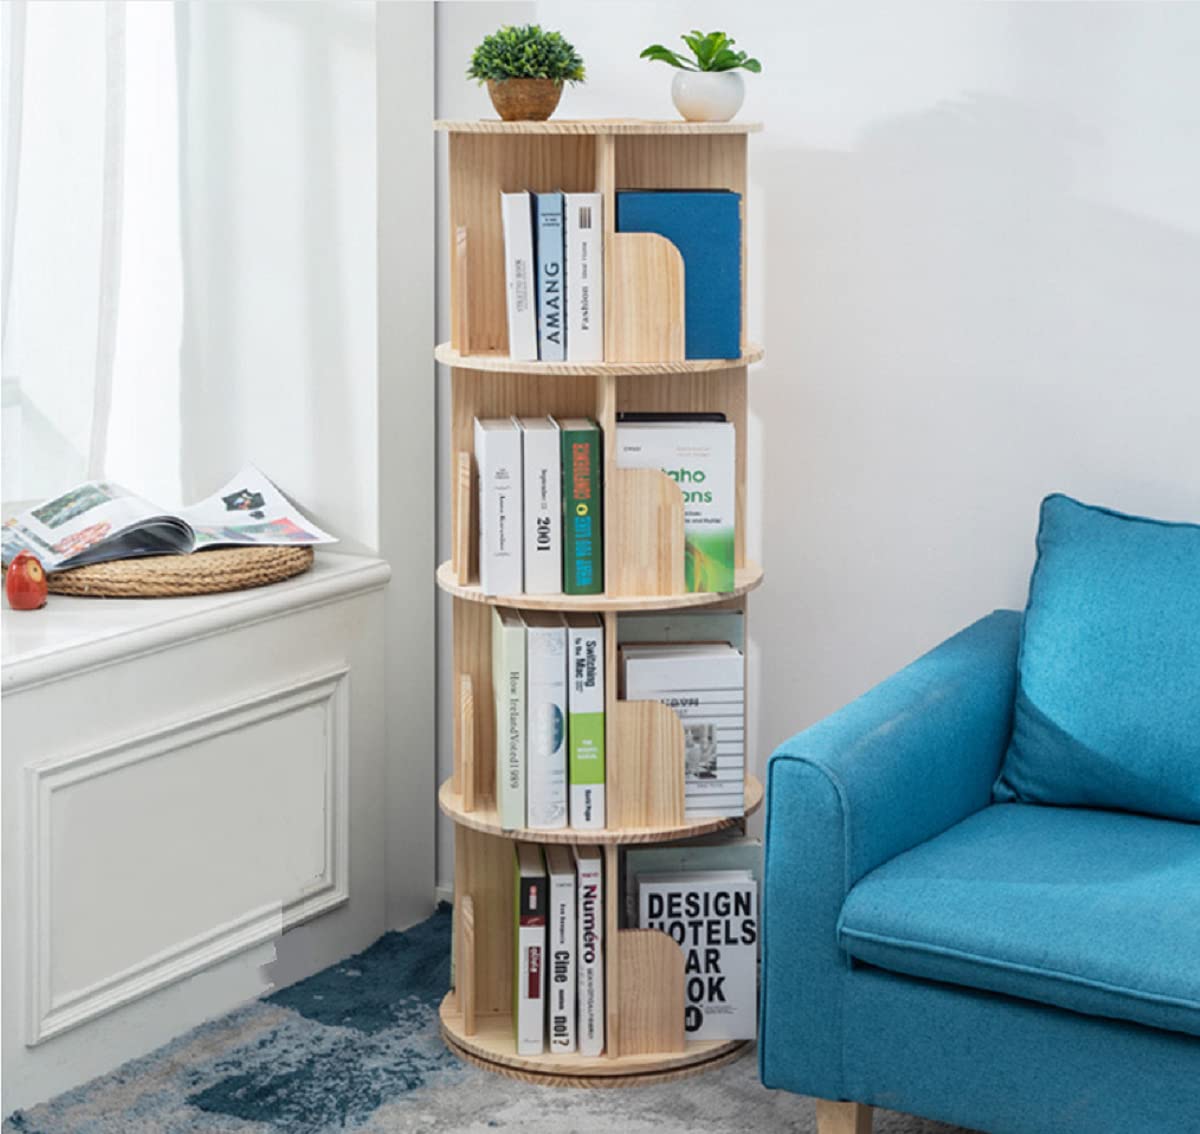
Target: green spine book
585,720
583,527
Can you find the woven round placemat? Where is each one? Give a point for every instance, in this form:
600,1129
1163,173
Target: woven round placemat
202,573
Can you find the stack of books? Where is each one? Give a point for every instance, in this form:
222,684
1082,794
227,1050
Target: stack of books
559,950
548,685
541,525
554,266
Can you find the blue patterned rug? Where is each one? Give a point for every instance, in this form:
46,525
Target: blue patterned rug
357,1048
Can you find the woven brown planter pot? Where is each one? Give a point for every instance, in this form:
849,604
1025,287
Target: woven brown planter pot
524,100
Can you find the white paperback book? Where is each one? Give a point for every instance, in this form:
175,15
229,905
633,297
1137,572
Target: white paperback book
545,720
520,274
705,684
560,947
585,277
713,917
508,690
501,542
541,460
589,882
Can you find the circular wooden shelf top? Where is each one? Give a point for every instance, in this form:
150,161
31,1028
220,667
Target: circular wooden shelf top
594,126
485,818
491,1047
745,580
502,364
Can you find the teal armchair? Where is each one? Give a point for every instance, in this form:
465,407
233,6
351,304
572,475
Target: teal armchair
933,945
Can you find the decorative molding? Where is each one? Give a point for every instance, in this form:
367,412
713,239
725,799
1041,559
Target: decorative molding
49,1015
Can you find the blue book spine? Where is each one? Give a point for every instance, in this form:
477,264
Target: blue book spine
551,279
706,226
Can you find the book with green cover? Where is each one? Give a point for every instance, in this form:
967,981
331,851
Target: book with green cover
585,720
700,456
508,688
583,527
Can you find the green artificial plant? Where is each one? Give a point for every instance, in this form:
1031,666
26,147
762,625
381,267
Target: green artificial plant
526,53
712,52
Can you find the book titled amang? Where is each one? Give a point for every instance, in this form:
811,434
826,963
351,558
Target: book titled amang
713,917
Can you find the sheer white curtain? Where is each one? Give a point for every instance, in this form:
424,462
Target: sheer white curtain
92,271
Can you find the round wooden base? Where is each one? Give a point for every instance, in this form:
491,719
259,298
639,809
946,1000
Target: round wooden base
491,1047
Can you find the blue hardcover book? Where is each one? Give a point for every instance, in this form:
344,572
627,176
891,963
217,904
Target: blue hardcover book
706,226
551,308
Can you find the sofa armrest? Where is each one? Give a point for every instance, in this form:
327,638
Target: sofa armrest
904,762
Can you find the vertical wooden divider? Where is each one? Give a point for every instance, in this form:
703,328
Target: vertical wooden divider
465,971
612,965
460,297
466,710
462,559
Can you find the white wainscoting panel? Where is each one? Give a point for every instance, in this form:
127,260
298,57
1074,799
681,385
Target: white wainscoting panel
138,851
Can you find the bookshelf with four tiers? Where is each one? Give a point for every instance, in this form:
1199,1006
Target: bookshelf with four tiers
644,371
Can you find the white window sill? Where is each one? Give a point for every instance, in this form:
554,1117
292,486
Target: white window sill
72,635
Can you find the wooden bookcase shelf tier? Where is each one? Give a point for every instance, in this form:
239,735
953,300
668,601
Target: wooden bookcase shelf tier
644,370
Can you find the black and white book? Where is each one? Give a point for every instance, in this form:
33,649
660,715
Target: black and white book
704,683
589,881
713,917
561,946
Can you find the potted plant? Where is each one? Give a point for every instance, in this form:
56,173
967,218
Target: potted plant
708,87
525,69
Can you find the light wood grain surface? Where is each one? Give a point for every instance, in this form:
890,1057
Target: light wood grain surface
745,579
446,354
492,1045
644,318
616,126
644,766
486,819
650,1004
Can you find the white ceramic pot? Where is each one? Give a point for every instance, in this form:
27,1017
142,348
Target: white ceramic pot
708,96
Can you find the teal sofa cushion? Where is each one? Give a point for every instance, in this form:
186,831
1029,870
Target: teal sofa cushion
1093,911
1107,708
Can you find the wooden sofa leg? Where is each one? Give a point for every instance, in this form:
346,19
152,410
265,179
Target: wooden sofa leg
843,1117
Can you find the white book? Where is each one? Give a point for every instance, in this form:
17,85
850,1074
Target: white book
560,948
585,720
589,880
501,546
508,690
704,683
585,277
713,916
529,976
545,720
520,273
541,461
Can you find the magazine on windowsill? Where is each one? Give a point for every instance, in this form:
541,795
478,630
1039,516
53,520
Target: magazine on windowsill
99,521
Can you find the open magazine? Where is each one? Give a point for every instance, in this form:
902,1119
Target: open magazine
99,521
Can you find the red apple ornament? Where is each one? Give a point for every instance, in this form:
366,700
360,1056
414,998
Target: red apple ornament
25,583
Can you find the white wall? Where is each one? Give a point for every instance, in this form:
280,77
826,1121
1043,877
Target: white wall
975,264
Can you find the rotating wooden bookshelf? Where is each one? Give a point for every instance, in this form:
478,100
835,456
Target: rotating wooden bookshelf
644,370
